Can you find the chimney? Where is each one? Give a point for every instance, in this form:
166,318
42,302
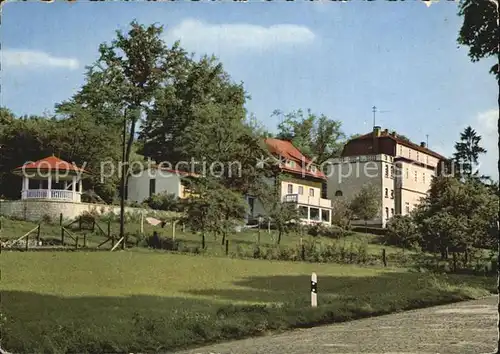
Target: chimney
422,144
386,131
393,133
376,131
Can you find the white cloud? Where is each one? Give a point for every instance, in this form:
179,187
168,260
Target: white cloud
31,59
202,37
486,126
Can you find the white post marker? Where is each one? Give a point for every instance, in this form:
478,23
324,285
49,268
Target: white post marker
314,290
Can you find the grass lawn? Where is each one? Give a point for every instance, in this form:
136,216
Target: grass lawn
13,229
153,301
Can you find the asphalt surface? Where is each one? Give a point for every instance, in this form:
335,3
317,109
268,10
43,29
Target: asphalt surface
461,328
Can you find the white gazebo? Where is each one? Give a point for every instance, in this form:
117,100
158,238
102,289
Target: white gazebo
51,178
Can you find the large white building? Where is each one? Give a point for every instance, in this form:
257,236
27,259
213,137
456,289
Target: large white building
400,169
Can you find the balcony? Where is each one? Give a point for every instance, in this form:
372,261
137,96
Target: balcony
306,199
53,194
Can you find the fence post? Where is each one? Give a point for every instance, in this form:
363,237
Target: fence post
60,219
302,250
62,236
173,229
384,258
203,240
84,240
314,290
142,223
38,234
76,242
27,242
93,225
227,247
80,223
454,261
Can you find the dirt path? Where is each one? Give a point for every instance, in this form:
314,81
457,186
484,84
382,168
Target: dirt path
462,328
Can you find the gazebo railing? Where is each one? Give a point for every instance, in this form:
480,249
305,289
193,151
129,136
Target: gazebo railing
57,194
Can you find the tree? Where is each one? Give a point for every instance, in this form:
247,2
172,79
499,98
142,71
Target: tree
467,152
200,119
480,30
341,214
402,231
213,208
457,215
316,136
366,203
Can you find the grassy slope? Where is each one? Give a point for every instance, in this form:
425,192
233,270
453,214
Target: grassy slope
13,229
130,301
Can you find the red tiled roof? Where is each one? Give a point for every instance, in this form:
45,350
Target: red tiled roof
385,134
51,163
286,150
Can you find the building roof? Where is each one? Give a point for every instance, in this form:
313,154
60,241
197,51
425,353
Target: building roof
287,151
384,134
51,163
175,172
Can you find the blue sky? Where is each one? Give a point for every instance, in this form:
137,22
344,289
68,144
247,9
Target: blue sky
339,59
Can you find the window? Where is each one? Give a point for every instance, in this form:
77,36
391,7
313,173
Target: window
314,214
311,192
409,153
386,193
303,212
392,193
313,169
152,186
290,189
392,171
251,203
416,176
292,164
338,193
392,211
417,156
406,173
387,213
301,190
407,207
401,150
325,215
423,177
386,171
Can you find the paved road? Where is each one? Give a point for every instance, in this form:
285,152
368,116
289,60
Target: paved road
462,328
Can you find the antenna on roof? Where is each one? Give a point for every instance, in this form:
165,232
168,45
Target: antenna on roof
375,110
427,140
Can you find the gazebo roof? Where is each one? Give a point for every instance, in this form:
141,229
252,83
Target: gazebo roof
51,163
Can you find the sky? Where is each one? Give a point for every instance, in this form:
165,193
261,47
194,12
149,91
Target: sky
338,59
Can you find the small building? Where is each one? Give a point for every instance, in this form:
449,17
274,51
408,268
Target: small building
157,180
51,178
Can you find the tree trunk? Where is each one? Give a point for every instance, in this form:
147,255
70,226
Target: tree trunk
279,236
498,166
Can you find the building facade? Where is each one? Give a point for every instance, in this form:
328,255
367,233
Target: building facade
300,183
156,181
400,169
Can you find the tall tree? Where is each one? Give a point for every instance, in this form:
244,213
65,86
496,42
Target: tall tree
316,136
467,152
366,203
200,119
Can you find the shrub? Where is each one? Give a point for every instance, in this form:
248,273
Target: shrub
157,242
163,201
